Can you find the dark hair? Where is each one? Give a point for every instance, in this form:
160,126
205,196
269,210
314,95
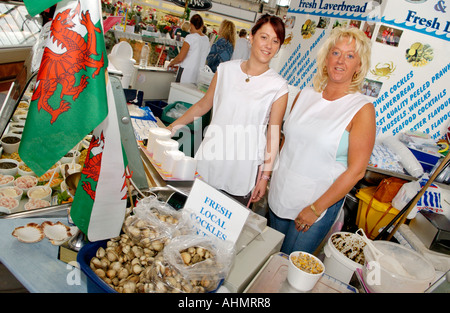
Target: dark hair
276,22
242,33
197,21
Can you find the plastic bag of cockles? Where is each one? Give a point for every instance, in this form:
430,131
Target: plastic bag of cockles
157,212
192,263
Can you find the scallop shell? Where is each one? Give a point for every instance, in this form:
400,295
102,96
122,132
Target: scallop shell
29,233
57,232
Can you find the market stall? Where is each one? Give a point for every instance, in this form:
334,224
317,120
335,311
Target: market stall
162,187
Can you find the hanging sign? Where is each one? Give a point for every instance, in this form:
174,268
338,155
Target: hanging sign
215,213
197,5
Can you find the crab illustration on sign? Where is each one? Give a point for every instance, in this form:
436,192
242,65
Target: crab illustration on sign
60,68
384,70
288,39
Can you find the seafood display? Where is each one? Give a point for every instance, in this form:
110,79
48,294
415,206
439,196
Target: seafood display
349,245
307,263
56,233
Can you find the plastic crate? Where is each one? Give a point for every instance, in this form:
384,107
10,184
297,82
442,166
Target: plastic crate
94,283
156,106
132,95
197,126
377,216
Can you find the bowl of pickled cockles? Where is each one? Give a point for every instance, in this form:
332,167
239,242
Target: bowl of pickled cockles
11,142
304,270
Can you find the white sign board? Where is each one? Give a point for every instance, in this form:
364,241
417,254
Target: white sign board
215,213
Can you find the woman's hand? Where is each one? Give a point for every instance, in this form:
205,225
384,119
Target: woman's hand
259,191
305,219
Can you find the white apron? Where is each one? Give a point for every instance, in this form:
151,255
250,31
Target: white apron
307,166
235,140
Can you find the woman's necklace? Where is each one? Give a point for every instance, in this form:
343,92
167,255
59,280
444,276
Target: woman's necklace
246,72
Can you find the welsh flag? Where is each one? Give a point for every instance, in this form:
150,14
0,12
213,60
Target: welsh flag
72,98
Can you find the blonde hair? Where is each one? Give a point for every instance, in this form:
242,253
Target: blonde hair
362,47
228,31
186,26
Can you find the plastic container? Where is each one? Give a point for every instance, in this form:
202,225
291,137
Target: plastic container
427,160
377,217
338,265
94,283
156,106
380,280
145,52
300,279
197,126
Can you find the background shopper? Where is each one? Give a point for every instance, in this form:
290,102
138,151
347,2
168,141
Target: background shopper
193,52
242,47
329,137
222,49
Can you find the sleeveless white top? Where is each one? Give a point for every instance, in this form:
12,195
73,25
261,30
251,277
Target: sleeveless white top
235,140
307,166
195,58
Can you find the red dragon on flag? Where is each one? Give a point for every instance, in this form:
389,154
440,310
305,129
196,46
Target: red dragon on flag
60,68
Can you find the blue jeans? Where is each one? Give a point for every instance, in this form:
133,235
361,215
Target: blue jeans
304,241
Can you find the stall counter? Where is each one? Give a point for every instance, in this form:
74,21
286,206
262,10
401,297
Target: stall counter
37,267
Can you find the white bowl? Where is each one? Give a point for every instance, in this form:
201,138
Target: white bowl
72,168
300,279
6,180
68,159
11,191
36,204
11,169
25,182
11,147
23,172
9,203
40,192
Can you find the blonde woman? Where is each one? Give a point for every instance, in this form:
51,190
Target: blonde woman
222,49
329,137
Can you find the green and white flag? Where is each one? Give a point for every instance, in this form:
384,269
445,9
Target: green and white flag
72,98
69,99
37,6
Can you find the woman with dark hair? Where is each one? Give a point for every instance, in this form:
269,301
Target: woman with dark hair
329,137
193,52
248,100
222,49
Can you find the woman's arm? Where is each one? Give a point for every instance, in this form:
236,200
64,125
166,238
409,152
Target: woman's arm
199,109
272,145
361,141
181,56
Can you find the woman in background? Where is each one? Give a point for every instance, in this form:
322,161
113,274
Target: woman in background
193,52
329,137
222,49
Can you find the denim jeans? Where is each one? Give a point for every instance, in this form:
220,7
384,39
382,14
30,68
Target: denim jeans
304,241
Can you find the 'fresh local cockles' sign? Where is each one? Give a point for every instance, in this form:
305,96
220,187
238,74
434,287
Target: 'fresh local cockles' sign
215,214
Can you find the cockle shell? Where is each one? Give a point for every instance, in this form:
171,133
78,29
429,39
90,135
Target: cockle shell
29,233
57,232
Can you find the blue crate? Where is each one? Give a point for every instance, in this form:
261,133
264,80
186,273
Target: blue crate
157,106
94,283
